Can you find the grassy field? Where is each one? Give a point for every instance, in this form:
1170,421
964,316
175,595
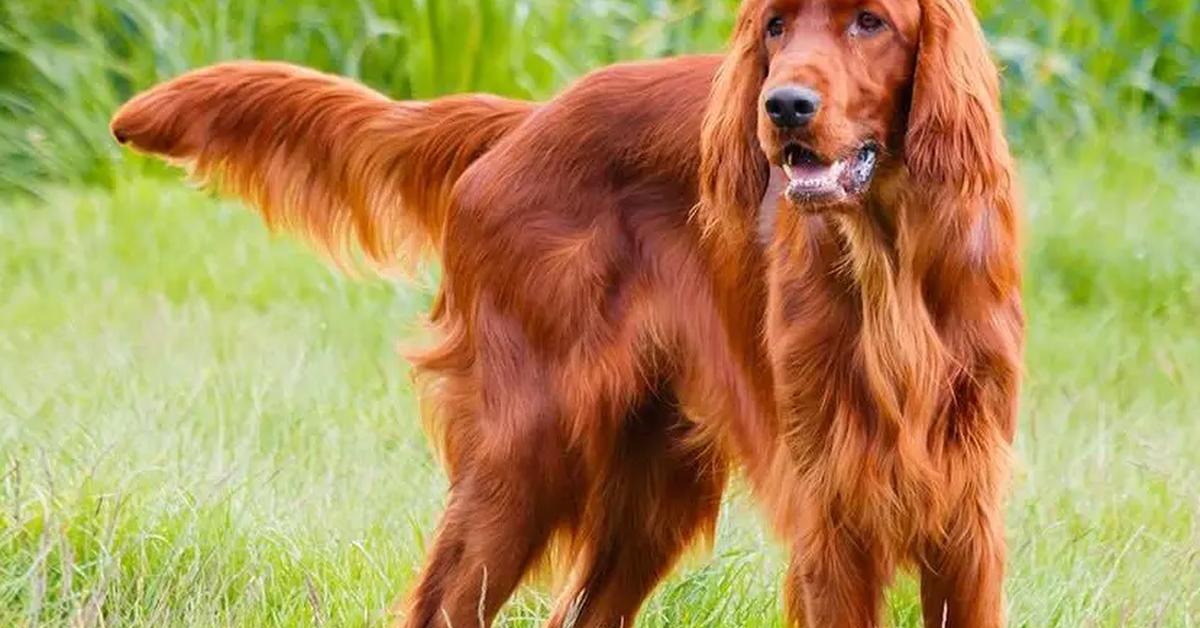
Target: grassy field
1072,67
204,425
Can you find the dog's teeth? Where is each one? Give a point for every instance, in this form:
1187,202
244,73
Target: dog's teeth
787,169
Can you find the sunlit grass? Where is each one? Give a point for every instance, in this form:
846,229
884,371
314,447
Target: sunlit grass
204,425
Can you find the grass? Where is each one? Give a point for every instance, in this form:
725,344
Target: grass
1071,66
63,73
204,425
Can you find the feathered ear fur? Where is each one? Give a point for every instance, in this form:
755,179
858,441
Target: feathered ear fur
955,127
733,170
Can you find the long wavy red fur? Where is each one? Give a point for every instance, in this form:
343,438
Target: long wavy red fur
895,333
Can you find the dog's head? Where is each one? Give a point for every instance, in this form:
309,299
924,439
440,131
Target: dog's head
839,94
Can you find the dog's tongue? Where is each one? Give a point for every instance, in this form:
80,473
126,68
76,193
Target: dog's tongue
814,182
811,182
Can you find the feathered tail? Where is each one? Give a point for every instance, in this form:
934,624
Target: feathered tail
320,155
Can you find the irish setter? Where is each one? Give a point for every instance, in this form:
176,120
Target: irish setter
894,322
799,257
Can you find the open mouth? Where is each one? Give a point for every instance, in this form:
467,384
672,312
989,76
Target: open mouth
814,181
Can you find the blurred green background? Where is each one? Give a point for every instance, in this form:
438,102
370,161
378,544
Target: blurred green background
203,425
1072,66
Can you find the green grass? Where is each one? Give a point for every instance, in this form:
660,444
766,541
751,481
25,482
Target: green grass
62,73
1072,67
204,425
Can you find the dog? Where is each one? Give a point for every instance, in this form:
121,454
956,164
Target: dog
586,391
797,258
894,321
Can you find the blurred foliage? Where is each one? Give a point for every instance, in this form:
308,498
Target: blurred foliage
1079,66
1072,66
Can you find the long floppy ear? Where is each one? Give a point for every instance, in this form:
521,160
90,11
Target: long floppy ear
733,169
318,154
955,126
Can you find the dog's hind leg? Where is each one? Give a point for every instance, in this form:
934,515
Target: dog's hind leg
507,501
513,485
657,494
835,579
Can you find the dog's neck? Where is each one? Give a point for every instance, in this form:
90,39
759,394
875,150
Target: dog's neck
909,263
902,354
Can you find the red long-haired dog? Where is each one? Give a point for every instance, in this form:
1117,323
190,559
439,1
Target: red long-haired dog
800,256
894,319
585,390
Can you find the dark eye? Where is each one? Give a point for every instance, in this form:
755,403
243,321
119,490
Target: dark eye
867,23
775,27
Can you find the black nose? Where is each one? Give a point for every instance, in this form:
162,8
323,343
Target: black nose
792,106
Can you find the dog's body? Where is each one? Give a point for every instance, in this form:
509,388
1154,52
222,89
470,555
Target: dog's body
585,387
589,388
629,306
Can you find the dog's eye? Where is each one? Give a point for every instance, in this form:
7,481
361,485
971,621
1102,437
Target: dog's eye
775,27
867,23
